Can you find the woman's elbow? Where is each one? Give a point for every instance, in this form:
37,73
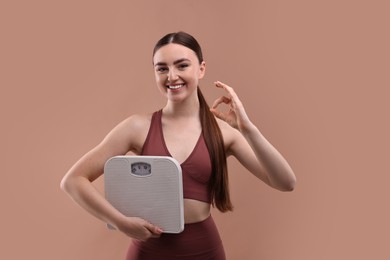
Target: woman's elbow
289,186
66,184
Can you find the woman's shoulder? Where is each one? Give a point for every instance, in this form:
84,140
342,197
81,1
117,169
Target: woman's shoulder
130,133
229,133
225,127
137,122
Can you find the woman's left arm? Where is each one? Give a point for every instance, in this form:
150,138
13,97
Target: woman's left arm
250,147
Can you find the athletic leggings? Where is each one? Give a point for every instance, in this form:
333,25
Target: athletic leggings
198,241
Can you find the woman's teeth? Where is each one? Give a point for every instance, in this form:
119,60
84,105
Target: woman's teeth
176,86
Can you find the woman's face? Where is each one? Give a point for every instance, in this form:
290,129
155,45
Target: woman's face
177,71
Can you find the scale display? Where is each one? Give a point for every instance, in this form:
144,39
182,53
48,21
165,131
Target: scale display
141,168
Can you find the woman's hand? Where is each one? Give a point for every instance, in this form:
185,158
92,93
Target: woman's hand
236,115
139,228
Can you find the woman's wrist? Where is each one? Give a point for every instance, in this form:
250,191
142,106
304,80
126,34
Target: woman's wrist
119,220
248,128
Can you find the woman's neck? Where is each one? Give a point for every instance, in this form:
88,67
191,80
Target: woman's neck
189,108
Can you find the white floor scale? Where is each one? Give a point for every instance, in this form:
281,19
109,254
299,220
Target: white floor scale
149,187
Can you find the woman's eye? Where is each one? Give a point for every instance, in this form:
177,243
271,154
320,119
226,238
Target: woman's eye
183,66
162,69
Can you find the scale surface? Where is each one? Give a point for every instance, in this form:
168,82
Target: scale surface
149,187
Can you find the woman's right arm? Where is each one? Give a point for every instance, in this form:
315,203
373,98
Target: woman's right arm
77,182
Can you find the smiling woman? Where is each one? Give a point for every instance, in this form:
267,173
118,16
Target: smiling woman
177,68
197,136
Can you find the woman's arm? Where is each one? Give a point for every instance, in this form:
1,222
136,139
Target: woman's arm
77,182
250,147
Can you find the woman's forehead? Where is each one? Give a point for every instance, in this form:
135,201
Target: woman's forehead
172,52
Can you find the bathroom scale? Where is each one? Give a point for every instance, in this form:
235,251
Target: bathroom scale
148,187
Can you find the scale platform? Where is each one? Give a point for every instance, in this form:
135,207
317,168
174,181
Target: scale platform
149,187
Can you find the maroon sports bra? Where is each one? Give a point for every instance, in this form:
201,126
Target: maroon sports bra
196,169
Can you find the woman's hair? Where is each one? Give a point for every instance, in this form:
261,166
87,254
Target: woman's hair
218,185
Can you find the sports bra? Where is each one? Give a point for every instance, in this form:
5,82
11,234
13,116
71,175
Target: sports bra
196,169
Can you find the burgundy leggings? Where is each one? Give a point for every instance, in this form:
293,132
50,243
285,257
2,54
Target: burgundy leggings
198,241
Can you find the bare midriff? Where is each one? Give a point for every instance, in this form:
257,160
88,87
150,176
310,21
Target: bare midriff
195,211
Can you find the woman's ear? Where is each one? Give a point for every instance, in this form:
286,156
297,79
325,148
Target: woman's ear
202,69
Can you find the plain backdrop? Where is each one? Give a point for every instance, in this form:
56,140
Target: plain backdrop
313,76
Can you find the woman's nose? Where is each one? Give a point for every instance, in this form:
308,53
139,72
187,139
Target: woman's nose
172,75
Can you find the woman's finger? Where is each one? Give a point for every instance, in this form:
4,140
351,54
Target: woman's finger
220,100
224,86
153,229
218,114
227,88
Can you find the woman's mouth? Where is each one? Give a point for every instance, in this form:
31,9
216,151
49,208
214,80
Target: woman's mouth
176,86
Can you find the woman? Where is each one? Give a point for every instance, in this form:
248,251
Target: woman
209,137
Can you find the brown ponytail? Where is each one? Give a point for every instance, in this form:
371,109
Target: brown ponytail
218,185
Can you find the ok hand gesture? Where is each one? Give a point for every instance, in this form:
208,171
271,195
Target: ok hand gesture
236,115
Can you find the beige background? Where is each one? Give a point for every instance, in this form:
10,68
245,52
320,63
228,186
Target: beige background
313,75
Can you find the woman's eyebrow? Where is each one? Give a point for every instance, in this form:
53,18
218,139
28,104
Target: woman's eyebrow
175,62
181,60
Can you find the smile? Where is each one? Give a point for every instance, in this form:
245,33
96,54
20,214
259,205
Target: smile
175,86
